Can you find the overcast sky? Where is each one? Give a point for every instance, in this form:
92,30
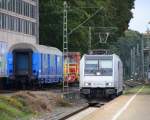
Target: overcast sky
141,15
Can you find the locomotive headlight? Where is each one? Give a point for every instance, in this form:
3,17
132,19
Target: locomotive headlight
109,84
87,84
98,73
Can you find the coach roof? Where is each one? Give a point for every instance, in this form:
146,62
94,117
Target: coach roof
48,50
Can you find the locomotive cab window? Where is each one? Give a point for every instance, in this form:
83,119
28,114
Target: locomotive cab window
105,67
91,67
98,68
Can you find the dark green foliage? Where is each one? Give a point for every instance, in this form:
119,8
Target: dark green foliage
116,13
123,49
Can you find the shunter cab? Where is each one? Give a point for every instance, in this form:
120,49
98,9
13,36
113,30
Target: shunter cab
73,67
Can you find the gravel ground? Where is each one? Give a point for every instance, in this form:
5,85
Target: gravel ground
64,111
59,112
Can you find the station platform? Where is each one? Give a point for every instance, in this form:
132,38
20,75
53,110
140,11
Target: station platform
135,106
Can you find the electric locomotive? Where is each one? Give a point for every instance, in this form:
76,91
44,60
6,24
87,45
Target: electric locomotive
100,76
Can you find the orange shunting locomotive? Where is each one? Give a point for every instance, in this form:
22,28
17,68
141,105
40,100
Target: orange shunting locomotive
71,68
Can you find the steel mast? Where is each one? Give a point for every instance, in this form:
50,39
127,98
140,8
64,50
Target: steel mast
65,48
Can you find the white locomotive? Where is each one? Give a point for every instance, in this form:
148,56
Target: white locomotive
101,76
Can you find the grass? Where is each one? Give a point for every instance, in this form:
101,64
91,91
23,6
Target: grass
145,90
60,101
25,105
11,109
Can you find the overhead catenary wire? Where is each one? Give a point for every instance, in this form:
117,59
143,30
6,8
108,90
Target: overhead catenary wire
74,29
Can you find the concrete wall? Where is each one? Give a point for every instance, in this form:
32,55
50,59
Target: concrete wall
14,38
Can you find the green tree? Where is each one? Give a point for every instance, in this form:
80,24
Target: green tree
116,13
123,48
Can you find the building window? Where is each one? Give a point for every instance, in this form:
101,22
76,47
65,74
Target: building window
0,20
19,6
16,24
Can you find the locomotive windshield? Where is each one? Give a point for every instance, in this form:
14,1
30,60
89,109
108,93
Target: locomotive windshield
98,67
91,67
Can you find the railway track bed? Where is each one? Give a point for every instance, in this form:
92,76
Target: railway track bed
83,111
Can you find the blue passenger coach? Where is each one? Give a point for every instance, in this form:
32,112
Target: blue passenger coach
40,66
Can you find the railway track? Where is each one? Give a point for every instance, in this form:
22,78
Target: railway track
83,111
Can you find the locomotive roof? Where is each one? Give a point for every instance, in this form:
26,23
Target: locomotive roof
102,56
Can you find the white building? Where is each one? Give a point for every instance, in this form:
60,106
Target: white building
19,21
19,27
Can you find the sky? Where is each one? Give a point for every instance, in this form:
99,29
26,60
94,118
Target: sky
141,15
